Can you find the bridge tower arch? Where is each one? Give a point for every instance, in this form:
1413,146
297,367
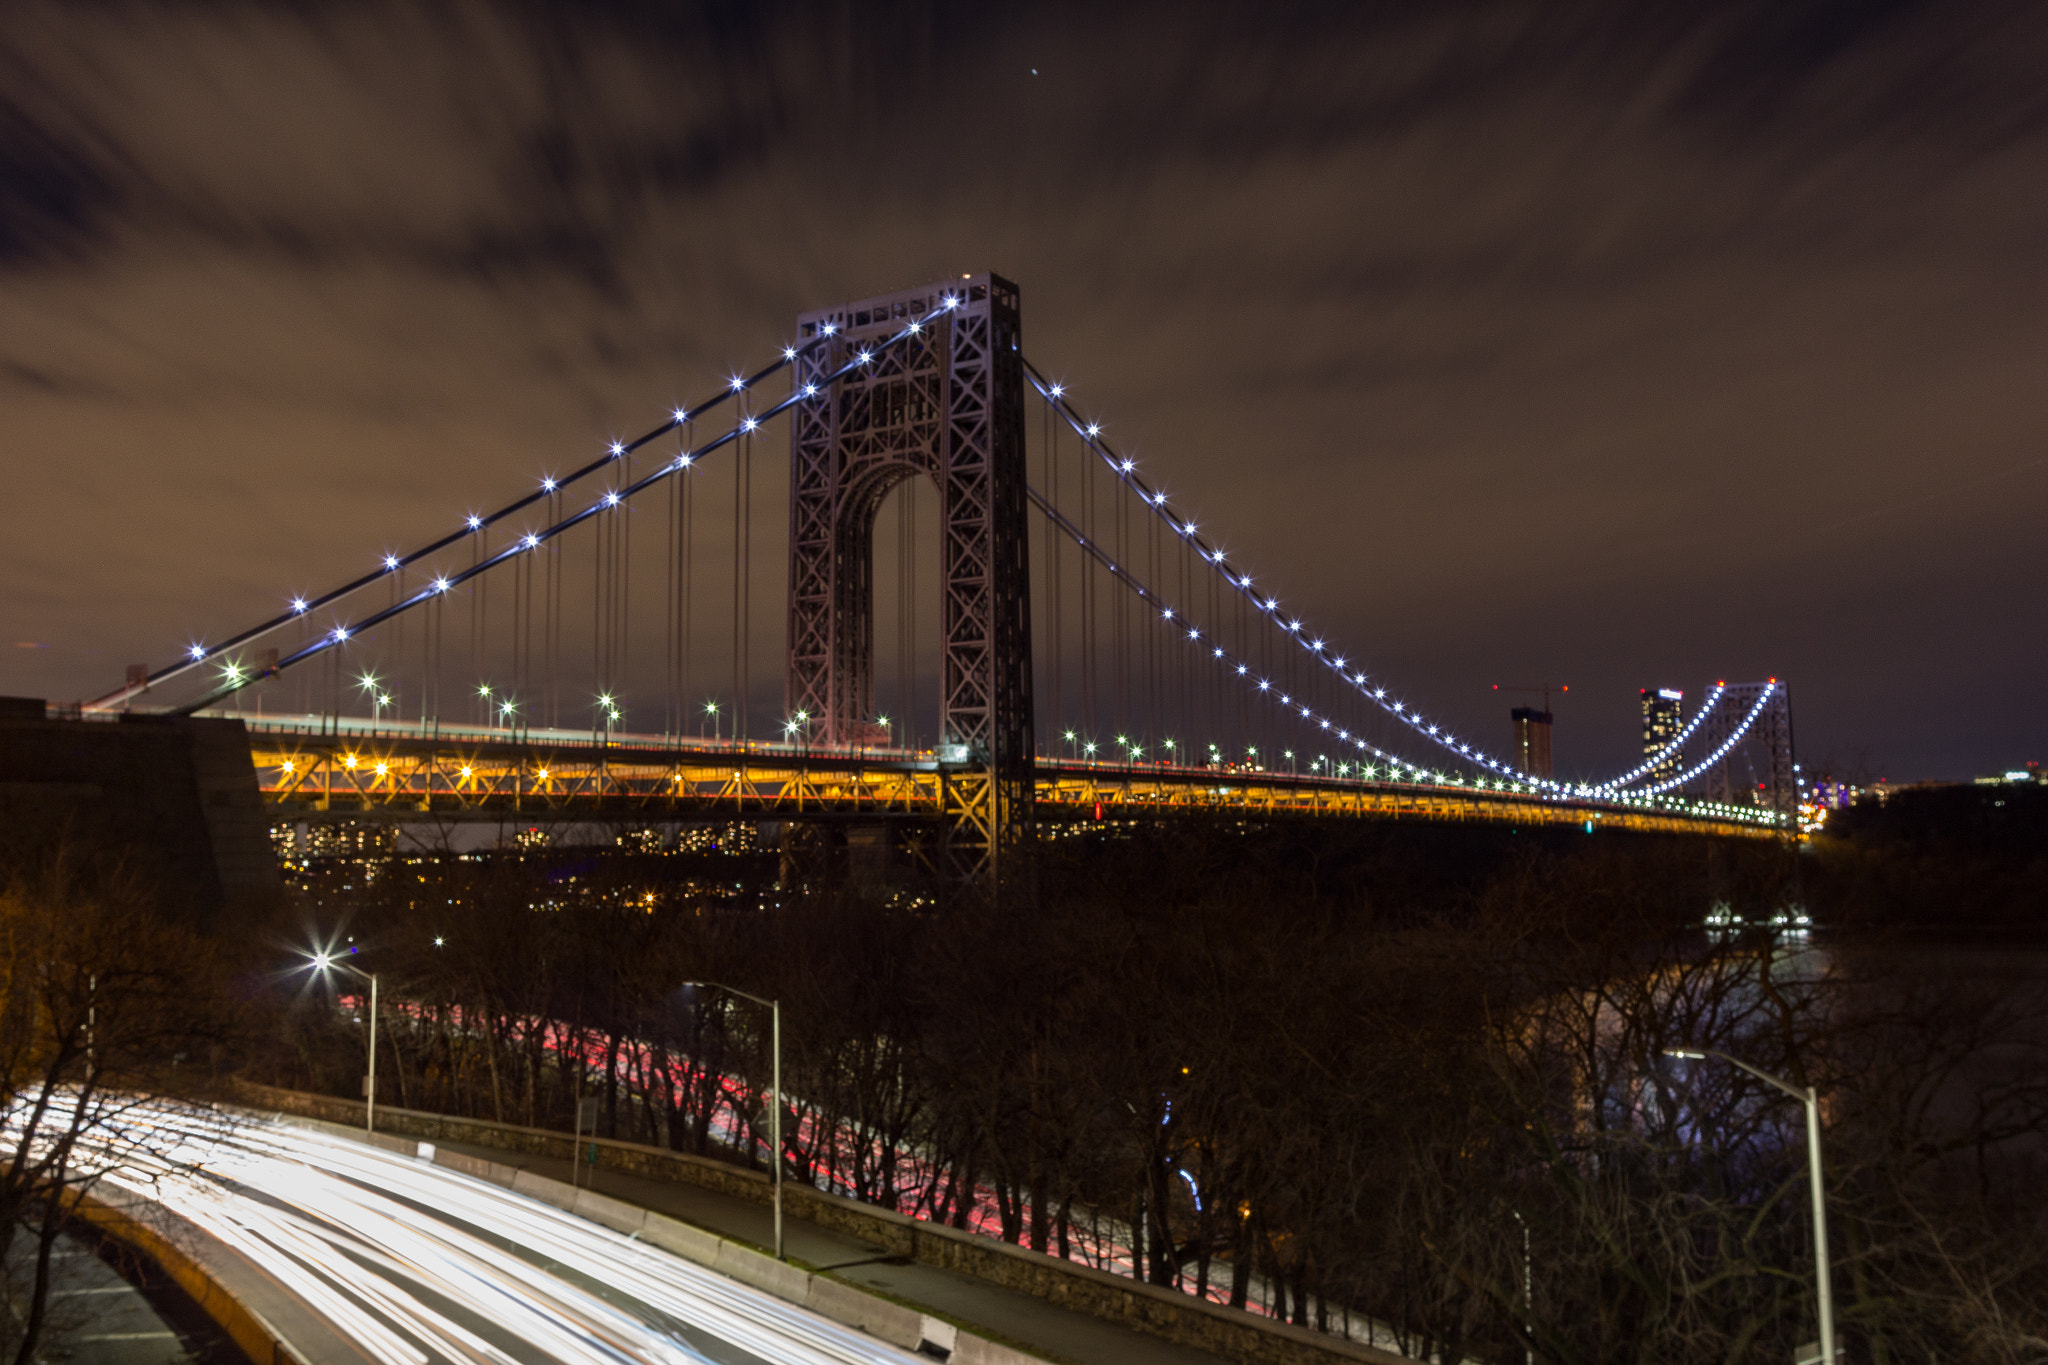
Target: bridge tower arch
948,404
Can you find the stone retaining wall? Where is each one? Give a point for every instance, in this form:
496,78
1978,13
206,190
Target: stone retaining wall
1157,1311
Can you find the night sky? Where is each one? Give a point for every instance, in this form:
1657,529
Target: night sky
1608,345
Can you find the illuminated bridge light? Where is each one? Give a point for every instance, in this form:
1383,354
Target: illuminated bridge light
738,383
789,353
681,417
390,561
473,522
749,424
547,485
298,605
618,448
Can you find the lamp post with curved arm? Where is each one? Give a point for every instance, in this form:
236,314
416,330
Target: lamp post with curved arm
326,962
1805,1095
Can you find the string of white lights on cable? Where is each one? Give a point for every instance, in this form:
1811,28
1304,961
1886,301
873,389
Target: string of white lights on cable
1228,660
235,677
1734,738
1263,687
1124,469
1677,744
473,524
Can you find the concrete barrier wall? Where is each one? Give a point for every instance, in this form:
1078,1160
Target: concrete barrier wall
124,1221
836,1300
1157,1311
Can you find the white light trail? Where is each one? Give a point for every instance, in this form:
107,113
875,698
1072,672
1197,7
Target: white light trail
417,1263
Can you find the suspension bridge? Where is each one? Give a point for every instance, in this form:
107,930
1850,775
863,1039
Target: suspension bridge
1098,655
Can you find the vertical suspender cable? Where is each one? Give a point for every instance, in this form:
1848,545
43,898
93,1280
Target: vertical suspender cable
687,481
623,674
1055,596
1090,613
739,572
668,613
907,560
1155,722
1121,514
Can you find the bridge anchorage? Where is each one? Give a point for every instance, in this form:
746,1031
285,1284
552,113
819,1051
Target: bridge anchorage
1165,678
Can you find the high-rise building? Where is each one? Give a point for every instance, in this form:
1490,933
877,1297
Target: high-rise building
1532,740
1661,722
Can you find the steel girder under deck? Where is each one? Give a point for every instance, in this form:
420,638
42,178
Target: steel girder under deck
397,776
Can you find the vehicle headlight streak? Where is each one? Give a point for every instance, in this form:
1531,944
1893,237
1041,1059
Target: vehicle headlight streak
340,1225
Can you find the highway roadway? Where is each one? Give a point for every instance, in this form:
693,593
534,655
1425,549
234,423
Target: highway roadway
416,1264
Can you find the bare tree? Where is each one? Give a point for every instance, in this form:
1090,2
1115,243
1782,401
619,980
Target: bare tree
103,1005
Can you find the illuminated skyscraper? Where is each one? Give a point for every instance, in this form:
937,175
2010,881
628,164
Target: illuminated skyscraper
1661,722
1532,740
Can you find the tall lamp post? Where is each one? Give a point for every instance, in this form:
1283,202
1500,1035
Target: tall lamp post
326,962
1823,1280
774,1090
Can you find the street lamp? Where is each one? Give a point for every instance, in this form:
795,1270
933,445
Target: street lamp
774,1090
325,962
1823,1281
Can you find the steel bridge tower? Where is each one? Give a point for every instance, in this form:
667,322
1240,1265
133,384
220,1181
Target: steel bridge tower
948,404
1772,779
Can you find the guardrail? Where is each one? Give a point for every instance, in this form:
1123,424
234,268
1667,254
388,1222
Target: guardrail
1152,1309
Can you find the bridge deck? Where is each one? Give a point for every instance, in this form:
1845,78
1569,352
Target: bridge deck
490,774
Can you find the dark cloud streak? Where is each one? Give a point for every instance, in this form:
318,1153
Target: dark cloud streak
1592,330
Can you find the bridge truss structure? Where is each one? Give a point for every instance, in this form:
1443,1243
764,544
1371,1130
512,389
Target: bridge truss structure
1166,678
